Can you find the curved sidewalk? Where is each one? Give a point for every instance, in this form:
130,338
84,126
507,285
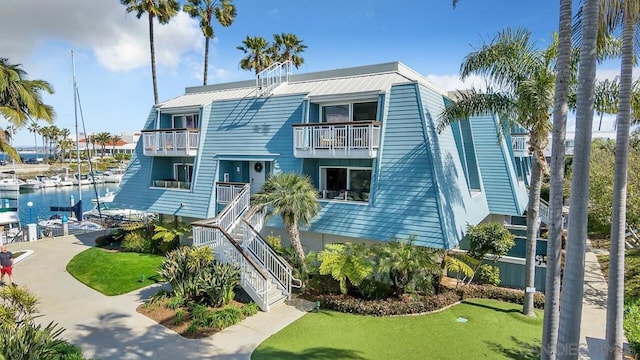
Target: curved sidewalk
108,327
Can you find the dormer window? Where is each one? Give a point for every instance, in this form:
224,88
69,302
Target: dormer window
185,121
361,111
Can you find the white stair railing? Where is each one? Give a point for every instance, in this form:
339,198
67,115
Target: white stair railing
543,211
277,267
227,251
231,214
271,77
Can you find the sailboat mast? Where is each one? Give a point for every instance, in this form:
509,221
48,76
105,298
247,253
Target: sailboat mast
75,113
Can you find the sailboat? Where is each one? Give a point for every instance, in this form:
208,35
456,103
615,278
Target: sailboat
76,224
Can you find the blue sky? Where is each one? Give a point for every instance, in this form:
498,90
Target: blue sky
112,50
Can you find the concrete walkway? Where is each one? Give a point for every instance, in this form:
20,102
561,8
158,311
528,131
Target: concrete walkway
594,308
108,327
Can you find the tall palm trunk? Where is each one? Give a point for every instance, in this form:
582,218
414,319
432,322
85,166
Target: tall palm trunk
294,237
615,302
533,225
153,59
554,243
35,142
206,59
571,297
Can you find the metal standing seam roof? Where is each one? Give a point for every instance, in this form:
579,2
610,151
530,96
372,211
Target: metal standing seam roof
204,98
333,82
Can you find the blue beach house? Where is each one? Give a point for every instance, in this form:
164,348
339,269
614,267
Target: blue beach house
366,136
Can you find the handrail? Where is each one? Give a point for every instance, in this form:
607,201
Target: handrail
354,123
277,266
229,216
170,129
252,278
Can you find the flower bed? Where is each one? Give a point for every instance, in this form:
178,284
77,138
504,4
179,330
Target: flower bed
416,304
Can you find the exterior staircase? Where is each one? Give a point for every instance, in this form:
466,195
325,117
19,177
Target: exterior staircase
234,236
270,78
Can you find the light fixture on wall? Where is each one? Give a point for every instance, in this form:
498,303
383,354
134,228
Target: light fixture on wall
238,170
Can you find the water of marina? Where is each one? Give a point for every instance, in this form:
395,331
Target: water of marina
43,199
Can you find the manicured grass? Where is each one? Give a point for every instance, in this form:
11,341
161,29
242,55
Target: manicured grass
114,273
494,330
631,273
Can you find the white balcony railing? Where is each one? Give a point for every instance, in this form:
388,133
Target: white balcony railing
520,145
171,184
350,140
170,142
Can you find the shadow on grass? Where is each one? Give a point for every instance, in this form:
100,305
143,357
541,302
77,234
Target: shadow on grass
307,354
494,308
522,350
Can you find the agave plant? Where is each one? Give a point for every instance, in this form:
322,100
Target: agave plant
218,282
182,269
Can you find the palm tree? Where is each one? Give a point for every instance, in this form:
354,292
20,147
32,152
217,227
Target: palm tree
225,13
627,14
163,10
114,142
54,136
554,242
573,281
527,79
257,50
65,145
404,262
21,100
102,138
287,47
294,198
35,129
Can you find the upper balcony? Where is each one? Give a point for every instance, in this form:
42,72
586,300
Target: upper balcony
170,142
520,145
345,140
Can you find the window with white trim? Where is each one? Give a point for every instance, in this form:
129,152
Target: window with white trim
345,183
186,121
360,111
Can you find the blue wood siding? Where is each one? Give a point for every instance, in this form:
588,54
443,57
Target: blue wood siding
263,125
454,198
406,197
496,168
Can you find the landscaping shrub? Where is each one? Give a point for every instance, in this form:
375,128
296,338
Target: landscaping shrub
488,274
218,282
323,284
250,309
104,240
195,277
137,242
632,326
415,303
394,306
373,290
497,293
220,318
66,351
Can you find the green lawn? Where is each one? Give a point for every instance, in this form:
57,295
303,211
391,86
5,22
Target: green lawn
494,330
114,273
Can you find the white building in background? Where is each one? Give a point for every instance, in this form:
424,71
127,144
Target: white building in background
126,145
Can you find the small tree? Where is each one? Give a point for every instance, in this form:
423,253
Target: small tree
488,241
404,263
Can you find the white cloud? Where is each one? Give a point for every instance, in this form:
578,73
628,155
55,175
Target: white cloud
453,82
119,40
